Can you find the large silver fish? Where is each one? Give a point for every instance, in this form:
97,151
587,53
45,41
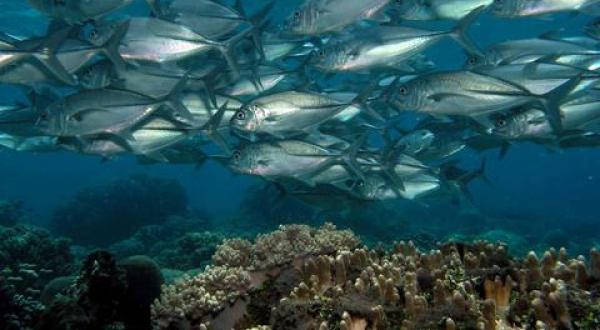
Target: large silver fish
387,46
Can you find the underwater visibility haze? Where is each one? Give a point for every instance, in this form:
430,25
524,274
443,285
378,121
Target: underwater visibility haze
299,164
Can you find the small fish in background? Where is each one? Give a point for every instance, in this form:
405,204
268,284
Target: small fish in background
333,98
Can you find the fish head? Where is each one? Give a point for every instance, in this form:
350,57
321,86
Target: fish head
98,33
474,61
251,159
302,20
532,123
410,96
372,187
248,119
51,120
331,58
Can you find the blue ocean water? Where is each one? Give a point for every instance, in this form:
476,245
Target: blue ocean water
535,189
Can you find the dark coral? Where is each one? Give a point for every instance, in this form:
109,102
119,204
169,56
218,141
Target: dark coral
109,213
106,295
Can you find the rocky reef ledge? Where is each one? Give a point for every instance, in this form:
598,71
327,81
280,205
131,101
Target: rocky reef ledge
299,277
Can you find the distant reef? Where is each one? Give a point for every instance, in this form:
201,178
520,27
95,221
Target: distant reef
295,277
108,213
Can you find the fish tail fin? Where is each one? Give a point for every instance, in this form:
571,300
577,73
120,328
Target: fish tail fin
459,33
481,172
348,158
227,48
211,129
258,22
110,48
154,7
362,100
47,56
552,100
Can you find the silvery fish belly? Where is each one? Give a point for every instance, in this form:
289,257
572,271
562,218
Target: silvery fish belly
519,8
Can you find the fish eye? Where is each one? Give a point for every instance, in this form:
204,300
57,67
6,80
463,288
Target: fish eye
322,53
501,122
297,14
472,60
403,90
240,115
94,34
237,155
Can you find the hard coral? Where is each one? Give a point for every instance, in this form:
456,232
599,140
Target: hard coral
284,245
329,283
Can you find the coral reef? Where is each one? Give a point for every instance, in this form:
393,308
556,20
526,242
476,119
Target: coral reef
17,312
11,213
30,257
109,213
303,278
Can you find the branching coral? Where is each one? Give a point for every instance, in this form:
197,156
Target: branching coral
303,278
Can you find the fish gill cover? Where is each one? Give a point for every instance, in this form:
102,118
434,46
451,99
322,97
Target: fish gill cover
382,116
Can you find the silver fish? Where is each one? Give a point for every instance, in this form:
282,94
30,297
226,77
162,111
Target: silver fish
526,51
97,111
316,17
429,10
523,8
387,46
284,114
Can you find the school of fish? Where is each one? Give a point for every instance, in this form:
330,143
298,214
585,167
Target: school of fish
316,104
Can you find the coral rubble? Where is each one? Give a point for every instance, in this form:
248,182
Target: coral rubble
303,278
